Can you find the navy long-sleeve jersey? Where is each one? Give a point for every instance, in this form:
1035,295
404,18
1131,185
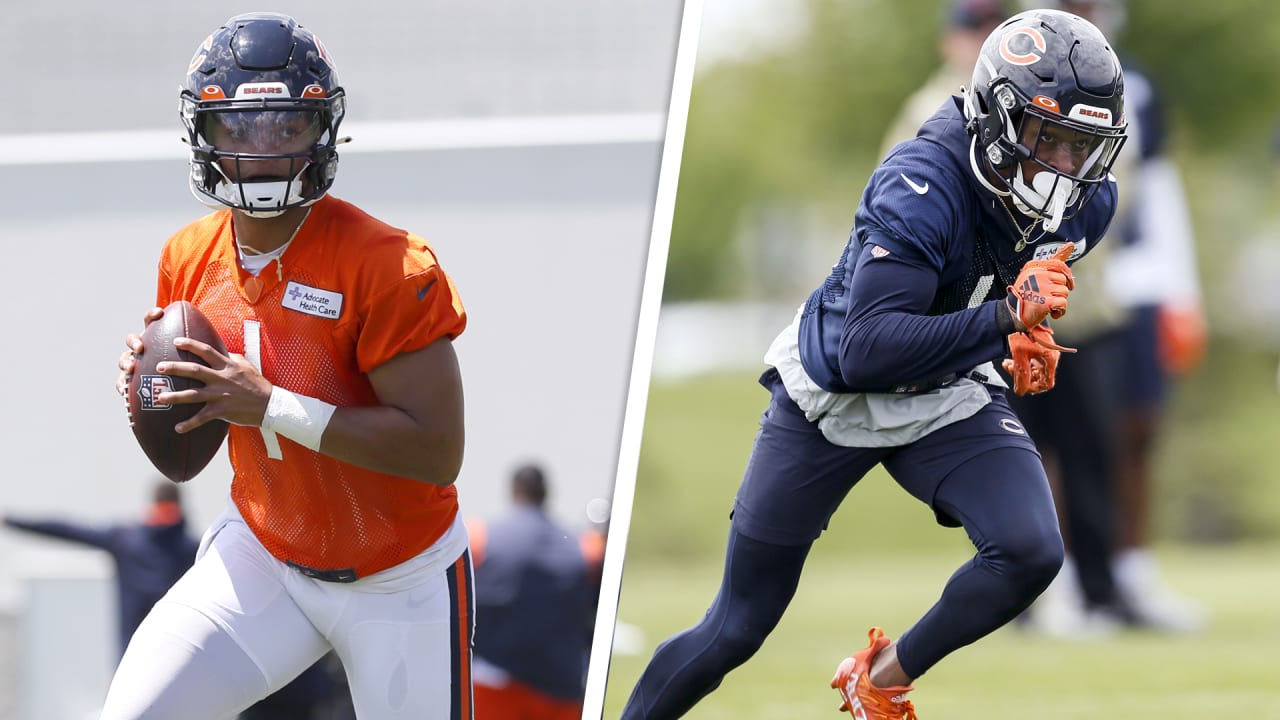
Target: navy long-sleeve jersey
912,298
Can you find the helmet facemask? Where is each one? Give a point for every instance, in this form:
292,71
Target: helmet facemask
259,158
1045,112
1071,157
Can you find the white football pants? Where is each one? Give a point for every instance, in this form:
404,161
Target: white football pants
241,624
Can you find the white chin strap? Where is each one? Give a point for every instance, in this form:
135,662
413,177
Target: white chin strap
262,199
1050,193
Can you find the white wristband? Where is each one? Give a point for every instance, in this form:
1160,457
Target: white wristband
300,418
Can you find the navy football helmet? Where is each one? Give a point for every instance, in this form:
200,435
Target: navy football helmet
262,104
1047,88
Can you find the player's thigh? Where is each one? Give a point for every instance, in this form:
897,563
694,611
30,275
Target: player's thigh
1002,498
795,479
984,473
921,467
407,653
181,664
226,635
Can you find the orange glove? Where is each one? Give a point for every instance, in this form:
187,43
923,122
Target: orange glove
1034,365
1181,338
1041,289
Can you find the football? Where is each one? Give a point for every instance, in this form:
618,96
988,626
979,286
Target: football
179,457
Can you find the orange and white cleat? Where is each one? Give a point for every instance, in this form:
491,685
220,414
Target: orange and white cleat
864,700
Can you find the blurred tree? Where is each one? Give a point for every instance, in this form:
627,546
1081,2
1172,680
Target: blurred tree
791,126
799,125
1216,63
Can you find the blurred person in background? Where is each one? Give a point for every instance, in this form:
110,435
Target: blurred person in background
1144,328
535,603
966,25
958,255
149,554
1076,429
1258,308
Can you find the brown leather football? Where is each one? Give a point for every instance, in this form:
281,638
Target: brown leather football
179,457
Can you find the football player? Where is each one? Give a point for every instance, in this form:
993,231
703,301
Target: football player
344,394
959,254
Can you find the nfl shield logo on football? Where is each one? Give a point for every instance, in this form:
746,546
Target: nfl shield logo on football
151,387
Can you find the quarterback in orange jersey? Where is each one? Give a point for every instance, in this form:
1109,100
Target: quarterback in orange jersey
345,399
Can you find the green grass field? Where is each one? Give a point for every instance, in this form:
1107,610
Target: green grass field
884,562
1227,672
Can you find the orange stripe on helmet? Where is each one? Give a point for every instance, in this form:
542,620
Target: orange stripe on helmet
324,52
1027,58
202,52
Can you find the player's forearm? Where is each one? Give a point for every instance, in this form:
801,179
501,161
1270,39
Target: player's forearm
891,349
390,440
95,537
889,340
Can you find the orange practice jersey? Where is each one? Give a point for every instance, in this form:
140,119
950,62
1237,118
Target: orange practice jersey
349,293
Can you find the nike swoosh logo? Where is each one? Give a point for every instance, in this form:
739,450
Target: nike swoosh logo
920,189
423,292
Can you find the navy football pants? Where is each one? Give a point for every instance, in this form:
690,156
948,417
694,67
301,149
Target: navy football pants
991,481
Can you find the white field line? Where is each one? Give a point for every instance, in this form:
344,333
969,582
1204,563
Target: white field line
501,132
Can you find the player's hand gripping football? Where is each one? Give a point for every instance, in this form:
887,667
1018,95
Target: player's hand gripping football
1040,291
233,389
133,345
1034,365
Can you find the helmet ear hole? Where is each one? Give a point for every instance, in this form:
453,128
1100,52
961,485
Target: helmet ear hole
980,101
